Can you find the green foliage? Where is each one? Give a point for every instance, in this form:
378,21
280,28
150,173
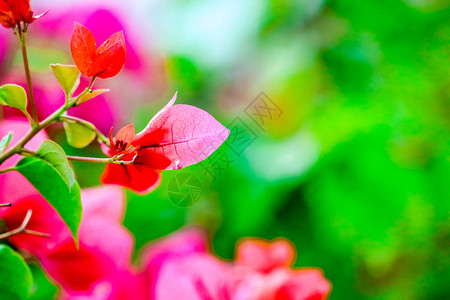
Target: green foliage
79,135
53,187
15,276
68,77
13,95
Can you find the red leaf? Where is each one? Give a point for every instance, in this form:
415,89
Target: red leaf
83,48
183,134
106,61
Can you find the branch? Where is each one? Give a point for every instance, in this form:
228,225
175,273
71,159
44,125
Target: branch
17,148
111,160
22,229
100,160
8,170
26,64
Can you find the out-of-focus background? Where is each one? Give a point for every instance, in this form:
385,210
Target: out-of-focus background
339,118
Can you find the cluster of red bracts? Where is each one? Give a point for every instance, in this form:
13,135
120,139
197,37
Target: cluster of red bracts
178,136
14,12
180,266
106,61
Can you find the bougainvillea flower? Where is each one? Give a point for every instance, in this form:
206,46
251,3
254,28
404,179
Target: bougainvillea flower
283,284
49,97
264,256
106,61
179,267
13,12
176,137
263,270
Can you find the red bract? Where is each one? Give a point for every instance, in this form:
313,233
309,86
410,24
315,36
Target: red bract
176,137
106,61
13,12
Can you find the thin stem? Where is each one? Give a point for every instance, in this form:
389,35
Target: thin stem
99,160
90,84
29,117
7,170
5,205
90,159
23,46
22,228
88,125
110,160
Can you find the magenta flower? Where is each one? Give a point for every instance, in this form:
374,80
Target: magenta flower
264,271
176,137
181,267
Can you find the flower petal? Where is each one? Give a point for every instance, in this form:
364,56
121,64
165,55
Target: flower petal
83,47
125,134
138,178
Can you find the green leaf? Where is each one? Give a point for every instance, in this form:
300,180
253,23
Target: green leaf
79,135
16,280
50,184
90,95
68,77
5,142
13,95
52,153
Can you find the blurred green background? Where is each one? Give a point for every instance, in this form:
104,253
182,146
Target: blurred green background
355,170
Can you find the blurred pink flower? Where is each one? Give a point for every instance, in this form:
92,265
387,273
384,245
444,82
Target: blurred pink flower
263,271
180,267
264,256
